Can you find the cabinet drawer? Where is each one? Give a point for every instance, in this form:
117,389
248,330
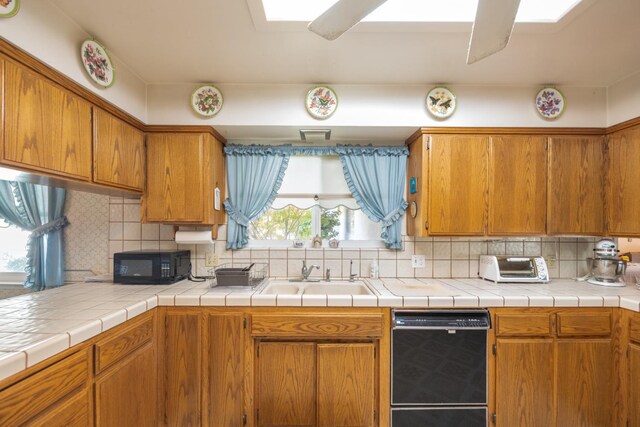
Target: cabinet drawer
40,391
73,412
584,324
634,329
529,324
110,350
317,325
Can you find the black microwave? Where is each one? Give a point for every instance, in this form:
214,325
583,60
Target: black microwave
155,267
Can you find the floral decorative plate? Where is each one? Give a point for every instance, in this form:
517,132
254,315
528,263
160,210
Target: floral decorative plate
550,103
8,8
207,100
441,102
321,102
97,63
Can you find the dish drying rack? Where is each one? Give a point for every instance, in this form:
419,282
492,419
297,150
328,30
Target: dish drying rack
250,275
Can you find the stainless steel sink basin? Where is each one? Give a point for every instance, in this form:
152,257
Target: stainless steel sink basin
336,287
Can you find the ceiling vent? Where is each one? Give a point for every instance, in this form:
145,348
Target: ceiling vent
315,135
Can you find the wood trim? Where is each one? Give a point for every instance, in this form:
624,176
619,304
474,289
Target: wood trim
624,125
505,131
185,129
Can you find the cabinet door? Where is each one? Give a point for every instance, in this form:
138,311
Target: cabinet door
634,389
623,204
517,185
346,385
286,384
576,185
182,347
72,412
225,365
585,378
46,128
457,184
127,394
174,178
118,152
524,382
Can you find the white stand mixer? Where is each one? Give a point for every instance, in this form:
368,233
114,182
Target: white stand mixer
605,269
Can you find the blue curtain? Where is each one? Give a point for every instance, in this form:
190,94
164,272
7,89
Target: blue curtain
376,178
254,178
38,209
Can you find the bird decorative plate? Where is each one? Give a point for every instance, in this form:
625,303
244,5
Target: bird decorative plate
550,103
441,102
97,63
8,8
207,100
321,102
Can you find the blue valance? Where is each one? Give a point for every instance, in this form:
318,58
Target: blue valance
290,150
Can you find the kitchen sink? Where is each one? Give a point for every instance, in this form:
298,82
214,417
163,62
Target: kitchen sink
335,287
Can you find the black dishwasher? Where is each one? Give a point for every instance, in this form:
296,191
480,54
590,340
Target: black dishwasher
439,368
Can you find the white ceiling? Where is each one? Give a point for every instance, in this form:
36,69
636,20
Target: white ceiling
219,41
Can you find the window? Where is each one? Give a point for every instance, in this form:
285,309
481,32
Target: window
418,10
314,200
13,253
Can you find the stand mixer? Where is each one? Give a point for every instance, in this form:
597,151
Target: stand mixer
605,269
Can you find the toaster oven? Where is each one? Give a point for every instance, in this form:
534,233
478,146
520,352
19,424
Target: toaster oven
513,269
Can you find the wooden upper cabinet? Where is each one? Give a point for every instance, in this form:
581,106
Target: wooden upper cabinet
623,203
183,170
118,152
418,168
174,177
577,185
517,185
457,184
46,128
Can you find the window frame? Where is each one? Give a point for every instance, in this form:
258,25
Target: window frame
11,278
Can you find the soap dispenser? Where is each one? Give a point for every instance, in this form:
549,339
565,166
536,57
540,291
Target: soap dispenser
373,269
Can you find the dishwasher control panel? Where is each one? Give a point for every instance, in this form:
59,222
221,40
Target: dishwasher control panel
441,319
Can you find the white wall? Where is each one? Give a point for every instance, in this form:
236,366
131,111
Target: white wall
376,106
623,100
45,32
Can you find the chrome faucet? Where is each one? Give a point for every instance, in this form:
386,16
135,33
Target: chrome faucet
307,271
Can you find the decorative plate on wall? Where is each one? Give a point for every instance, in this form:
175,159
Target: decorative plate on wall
321,102
207,100
441,102
97,63
550,103
9,8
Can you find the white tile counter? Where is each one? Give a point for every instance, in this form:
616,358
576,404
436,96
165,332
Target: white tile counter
36,326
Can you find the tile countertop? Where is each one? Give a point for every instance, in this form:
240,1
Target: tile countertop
36,326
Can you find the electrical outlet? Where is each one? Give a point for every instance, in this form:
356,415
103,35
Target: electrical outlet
417,261
551,261
211,259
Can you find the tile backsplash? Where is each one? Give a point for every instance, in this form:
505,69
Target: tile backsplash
444,257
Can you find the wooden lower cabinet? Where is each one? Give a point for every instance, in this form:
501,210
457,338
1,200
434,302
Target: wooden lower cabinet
524,386
224,370
41,394
346,384
127,394
561,373
74,411
316,384
633,380
286,391
584,383
182,373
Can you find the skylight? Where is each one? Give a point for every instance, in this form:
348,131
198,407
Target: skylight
530,11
